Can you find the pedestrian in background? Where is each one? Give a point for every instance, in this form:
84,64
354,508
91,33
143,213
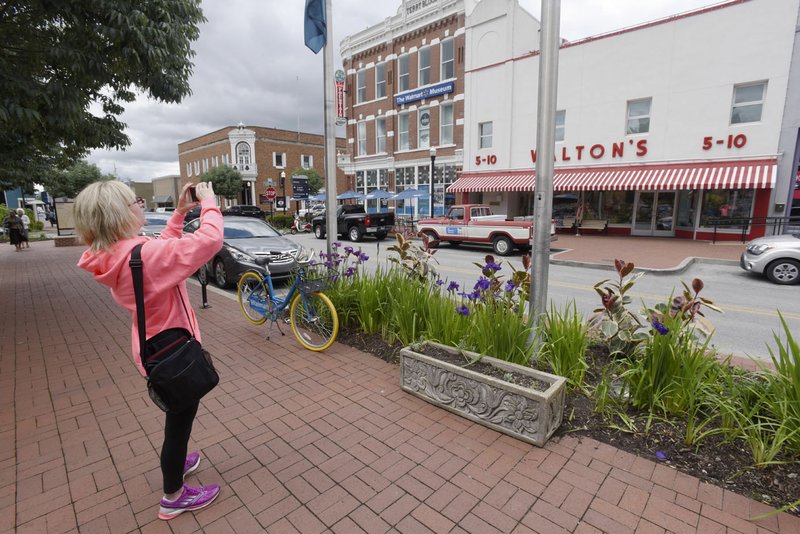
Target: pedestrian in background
26,223
108,218
13,225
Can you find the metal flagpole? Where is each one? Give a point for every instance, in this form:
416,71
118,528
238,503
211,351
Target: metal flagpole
330,130
545,148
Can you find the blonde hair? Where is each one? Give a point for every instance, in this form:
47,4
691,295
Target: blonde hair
103,214
20,211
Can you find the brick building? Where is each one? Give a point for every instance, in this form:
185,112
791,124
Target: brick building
405,103
264,156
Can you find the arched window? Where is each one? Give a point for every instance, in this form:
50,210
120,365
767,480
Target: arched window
243,154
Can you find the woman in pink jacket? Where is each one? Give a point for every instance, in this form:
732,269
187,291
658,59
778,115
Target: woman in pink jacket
108,218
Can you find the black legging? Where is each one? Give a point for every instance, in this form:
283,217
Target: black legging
177,430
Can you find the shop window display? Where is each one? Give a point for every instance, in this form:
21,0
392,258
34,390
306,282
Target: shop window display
729,206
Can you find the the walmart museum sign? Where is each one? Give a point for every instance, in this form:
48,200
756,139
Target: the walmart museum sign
425,92
416,6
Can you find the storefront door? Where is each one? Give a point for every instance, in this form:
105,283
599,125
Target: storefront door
654,213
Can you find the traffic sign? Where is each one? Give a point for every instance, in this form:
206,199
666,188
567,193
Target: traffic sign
271,193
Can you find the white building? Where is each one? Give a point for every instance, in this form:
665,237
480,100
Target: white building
662,128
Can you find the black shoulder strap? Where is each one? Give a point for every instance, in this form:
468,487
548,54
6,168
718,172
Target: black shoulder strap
138,291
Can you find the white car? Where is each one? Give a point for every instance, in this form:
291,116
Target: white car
777,256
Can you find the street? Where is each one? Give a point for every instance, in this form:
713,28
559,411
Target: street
750,303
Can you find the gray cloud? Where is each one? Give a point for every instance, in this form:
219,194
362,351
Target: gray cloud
252,66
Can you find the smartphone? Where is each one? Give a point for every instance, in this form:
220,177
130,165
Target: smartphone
193,193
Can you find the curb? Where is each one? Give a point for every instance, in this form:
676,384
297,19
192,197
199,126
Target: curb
680,268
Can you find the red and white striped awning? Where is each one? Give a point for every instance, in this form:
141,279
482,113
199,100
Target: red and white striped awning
746,174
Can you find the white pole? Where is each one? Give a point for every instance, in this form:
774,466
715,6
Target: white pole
545,148
330,130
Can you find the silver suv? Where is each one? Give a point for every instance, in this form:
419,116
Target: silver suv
777,256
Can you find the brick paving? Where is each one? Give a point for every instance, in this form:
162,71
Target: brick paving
300,442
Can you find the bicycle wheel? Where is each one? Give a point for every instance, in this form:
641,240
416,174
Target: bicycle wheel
253,298
315,323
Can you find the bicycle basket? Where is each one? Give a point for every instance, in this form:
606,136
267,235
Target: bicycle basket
317,277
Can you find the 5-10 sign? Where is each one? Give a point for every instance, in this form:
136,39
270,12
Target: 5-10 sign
732,141
491,159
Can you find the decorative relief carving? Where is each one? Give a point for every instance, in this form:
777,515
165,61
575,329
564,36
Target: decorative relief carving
509,410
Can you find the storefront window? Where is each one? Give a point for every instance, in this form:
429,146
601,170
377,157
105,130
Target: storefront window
687,204
359,181
617,206
731,207
565,205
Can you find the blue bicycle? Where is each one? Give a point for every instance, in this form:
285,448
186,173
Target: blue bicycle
312,315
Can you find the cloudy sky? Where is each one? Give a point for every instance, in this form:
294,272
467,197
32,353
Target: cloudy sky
252,66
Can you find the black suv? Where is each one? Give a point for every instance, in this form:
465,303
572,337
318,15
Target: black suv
245,211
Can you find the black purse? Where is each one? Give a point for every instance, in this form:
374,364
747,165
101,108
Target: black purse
179,371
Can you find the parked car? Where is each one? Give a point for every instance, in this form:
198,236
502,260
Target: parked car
352,221
776,256
155,223
247,245
245,211
313,211
192,214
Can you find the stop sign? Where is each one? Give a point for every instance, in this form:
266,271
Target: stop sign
271,193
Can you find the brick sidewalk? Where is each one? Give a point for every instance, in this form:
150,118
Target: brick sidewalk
301,442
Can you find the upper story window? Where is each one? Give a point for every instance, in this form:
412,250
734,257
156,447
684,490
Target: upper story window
215,161
279,160
402,132
402,73
638,116
226,159
197,168
205,165
448,59
561,119
380,80
446,124
424,129
362,138
243,154
307,161
424,66
361,86
748,102
380,135
485,135
188,169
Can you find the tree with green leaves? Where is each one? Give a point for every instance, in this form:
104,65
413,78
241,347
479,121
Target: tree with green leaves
226,180
315,181
68,183
68,66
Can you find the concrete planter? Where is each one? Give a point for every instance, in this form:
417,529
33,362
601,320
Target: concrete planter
524,413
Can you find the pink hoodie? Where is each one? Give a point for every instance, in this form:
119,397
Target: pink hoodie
168,262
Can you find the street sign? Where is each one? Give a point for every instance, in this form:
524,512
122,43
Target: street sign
271,193
300,187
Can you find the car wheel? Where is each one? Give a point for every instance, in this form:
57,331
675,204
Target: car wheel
319,233
433,239
354,233
784,271
220,275
502,245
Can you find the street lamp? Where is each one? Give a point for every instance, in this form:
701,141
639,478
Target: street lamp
433,169
283,189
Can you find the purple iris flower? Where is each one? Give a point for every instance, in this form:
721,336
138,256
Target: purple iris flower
350,271
462,310
312,262
329,264
510,286
439,282
660,328
337,244
362,257
348,249
474,295
491,268
453,287
483,284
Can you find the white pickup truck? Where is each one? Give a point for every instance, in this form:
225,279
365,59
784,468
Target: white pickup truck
475,223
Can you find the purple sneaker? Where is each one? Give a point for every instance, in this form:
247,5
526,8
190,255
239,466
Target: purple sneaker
191,463
190,499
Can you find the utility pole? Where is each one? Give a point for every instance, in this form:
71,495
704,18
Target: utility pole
545,148
330,131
